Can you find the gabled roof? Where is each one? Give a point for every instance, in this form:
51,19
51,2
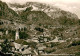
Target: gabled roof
41,46
27,51
21,41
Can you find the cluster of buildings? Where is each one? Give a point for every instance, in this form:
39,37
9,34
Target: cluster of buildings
20,46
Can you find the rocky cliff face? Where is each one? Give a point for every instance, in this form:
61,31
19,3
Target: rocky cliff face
51,11
44,11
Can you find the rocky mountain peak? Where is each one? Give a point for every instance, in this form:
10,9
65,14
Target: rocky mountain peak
51,11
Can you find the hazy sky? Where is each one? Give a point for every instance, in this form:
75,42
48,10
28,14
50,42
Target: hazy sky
69,5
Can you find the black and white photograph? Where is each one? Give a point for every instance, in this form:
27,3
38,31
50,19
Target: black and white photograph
39,27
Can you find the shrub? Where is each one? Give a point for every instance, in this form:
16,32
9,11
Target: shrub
74,43
77,54
39,29
23,35
54,44
32,44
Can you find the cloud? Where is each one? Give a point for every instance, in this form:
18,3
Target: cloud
24,1
69,7
48,1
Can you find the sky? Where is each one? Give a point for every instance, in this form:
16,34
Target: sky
67,5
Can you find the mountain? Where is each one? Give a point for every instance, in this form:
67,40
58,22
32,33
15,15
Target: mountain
6,12
58,16
50,10
42,15
38,14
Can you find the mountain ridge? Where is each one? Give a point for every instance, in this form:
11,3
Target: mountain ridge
48,9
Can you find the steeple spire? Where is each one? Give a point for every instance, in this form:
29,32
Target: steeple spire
17,35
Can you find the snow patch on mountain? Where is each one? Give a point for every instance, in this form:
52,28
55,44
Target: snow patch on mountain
34,8
52,11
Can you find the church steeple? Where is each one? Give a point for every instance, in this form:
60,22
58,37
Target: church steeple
17,35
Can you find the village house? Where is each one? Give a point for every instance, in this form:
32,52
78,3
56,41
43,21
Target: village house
35,40
1,41
27,52
19,47
43,39
57,39
2,21
28,40
40,48
32,27
12,46
23,49
1,34
46,33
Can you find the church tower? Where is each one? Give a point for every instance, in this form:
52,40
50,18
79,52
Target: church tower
17,35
